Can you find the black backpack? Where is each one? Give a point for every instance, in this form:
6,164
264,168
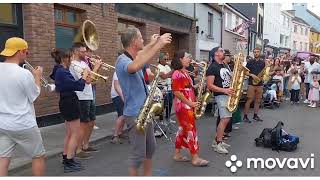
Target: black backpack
277,139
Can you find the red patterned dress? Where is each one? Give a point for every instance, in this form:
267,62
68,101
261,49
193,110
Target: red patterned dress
187,134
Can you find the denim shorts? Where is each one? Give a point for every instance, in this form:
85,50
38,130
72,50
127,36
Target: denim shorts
222,101
118,104
87,110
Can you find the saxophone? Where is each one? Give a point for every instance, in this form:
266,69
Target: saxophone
153,105
264,75
239,72
203,98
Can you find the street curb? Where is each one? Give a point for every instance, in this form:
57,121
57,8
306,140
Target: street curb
51,154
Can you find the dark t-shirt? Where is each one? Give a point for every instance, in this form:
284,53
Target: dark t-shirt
255,67
222,76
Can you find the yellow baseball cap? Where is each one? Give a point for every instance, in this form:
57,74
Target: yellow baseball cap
13,45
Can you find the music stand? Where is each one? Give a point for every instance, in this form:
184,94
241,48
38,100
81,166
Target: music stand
167,126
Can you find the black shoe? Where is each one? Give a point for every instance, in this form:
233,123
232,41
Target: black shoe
72,166
257,118
246,119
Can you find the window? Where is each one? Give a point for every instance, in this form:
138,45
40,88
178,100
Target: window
228,20
295,28
288,25
8,14
306,33
287,40
302,30
210,25
301,49
281,39
237,20
306,47
295,45
283,20
252,44
67,23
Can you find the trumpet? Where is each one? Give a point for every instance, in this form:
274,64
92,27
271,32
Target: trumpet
43,82
93,60
93,75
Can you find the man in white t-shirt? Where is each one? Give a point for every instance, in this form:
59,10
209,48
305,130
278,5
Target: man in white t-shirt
117,100
165,84
87,106
18,125
310,67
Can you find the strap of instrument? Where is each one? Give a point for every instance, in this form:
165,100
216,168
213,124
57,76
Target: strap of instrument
144,84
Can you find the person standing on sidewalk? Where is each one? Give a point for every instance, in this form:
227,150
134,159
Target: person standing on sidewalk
87,107
18,125
219,81
89,53
66,85
117,100
129,70
184,103
255,92
165,85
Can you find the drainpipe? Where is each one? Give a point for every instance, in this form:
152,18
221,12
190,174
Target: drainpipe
222,16
249,41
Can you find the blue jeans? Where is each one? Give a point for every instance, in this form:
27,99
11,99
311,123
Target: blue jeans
285,87
168,103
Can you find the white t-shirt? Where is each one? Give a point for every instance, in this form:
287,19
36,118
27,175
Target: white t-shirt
18,91
87,93
166,83
281,81
314,67
113,90
296,83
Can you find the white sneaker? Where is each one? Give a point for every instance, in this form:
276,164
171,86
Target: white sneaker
310,105
172,121
306,101
313,105
157,133
235,127
95,127
221,149
214,144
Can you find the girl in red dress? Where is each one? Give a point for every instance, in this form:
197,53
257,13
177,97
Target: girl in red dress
184,104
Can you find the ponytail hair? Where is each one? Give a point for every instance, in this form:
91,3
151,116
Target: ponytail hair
59,54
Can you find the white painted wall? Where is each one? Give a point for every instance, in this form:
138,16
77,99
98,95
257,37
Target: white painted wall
203,42
184,8
272,20
286,28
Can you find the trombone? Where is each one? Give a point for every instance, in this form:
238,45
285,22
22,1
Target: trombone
44,83
94,76
93,60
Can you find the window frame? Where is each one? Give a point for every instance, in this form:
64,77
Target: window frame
64,22
210,25
15,24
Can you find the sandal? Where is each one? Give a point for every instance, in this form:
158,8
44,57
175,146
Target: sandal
200,163
181,159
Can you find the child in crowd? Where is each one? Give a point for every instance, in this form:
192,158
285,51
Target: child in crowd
279,77
314,92
295,81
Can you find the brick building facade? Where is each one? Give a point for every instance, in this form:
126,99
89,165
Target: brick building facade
41,24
